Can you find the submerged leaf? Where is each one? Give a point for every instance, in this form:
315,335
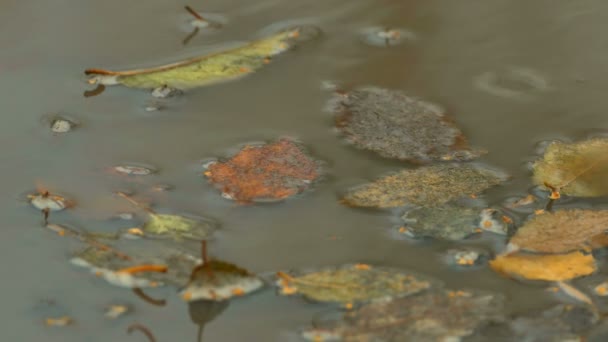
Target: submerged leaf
395,125
577,169
352,284
449,222
178,227
213,68
554,267
431,316
219,280
272,171
561,231
425,186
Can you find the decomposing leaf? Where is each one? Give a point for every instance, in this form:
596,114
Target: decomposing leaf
448,221
430,316
139,271
273,171
178,227
576,169
561,231
398,126
552,267
425,186
352,284
208,69
219,280
133,170
173,226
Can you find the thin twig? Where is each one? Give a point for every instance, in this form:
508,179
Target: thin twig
141,294
135,203
194,13
190,36
98,90
143,329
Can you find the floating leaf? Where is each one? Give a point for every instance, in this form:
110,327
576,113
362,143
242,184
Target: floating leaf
553,267
213,68
431,316
561,231
449,222
395,125
139,271
352,284
116,311
178,227
59,321
577,169
425,186
272,171
219,280
133,170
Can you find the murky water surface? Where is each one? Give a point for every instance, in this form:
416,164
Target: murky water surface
464,55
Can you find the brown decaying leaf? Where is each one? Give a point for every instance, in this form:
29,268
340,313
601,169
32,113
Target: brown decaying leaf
425,186
562,231
430,316
352,284
398,126
552,267
577,169
273,171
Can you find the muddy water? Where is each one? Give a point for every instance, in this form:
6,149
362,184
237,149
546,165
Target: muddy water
46,46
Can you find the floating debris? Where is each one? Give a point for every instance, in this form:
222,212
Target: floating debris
513,82
143,329
448,221
521,202
116,311
133,170
62,125
552,267
577,169
493,220
430,316
562,231
601,289
350,284
425,186
466,257
58,321
47,201
209,69
398,126
385,37
273,171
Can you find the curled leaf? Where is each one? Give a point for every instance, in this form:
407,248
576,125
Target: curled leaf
273,171
352,284
398,126
208,69
553,267
425,186
562,231
577,169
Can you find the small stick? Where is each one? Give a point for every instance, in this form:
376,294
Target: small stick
141,294
194,13
190,36
143,329
135,203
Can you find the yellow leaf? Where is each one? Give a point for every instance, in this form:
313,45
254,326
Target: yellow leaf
554,267
577,169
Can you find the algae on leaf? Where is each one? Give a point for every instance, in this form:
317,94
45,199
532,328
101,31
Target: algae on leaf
577,169
398,126
561,231
551,267
448,221
425,186
177,227
350,284
213,68
269,172
432,316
